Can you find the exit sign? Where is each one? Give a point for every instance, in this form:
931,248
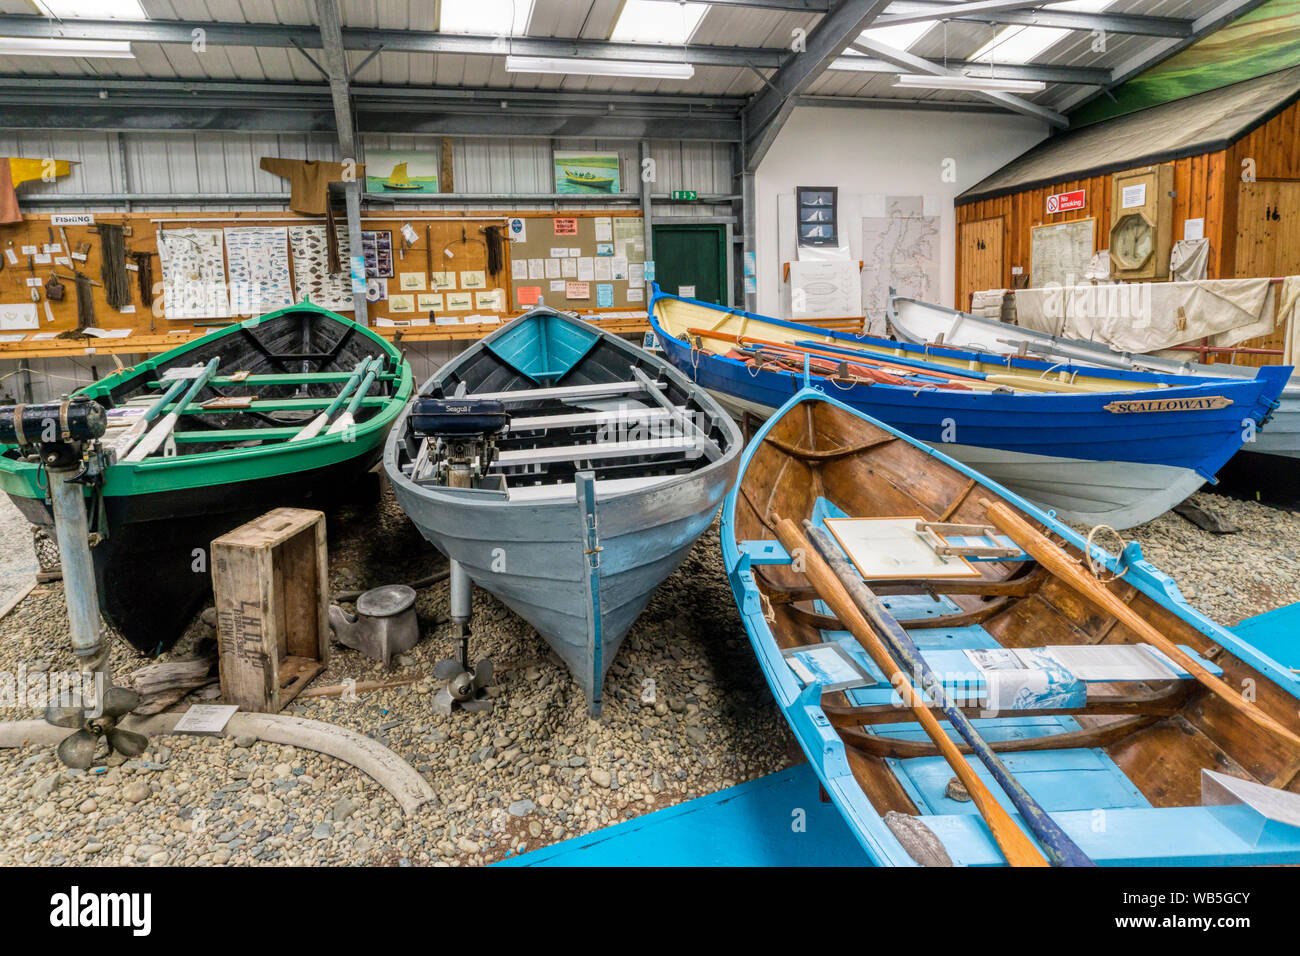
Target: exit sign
685,195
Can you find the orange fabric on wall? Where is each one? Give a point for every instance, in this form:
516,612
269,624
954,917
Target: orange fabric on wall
9,211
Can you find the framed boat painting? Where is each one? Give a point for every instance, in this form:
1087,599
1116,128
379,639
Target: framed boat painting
582,173
398,171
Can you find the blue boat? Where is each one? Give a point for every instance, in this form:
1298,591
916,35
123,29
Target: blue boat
1096,446
1124,753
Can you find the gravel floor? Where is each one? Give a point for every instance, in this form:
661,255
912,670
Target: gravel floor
17,558
534,771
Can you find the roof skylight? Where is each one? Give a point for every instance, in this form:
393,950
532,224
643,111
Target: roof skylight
646,21
1020,44
486,17
93,9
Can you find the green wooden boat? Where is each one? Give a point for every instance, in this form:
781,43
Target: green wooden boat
288,409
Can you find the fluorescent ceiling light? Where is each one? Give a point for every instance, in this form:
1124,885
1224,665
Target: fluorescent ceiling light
976,83
563,65
92,9
648,21
486,17
40,46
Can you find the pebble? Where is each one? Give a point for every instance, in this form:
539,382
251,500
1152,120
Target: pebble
135,792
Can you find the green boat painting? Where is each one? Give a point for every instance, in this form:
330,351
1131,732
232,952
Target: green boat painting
288,409
585,173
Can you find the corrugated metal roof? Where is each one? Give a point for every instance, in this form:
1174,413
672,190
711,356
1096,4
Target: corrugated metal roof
1187,127
721,26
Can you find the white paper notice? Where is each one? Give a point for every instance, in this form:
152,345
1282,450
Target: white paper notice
569,268
586,269
559,252
603,271
619,265
519,269
552,268
1133,196
1193,228
636,294
604,229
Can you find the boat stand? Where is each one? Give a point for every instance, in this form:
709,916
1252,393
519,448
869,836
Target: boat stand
463,687
65,436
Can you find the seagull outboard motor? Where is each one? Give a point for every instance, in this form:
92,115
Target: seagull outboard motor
462,435
64,438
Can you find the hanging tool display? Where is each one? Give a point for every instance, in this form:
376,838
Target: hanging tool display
112,266
35,289
144,276
496,249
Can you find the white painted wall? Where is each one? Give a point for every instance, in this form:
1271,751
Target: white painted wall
880,151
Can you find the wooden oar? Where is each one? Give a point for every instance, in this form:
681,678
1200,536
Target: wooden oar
966,378
158,434
312,428
1062,850
1058,562
348,418
124,442
1018,849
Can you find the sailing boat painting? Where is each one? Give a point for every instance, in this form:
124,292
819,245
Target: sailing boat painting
585,173
401,171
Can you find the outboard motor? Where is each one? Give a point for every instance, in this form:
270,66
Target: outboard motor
462,435
463,432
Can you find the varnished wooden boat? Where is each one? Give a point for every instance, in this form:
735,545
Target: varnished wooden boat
1179,774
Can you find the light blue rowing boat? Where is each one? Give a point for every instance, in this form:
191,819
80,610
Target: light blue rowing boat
565,471
1119,751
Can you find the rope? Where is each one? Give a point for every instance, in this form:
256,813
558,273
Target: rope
1092,565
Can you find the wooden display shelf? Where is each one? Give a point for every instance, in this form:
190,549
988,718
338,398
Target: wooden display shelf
153,344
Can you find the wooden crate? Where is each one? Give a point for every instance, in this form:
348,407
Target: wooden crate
272,593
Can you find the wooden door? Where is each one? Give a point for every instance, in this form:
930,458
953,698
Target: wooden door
979,254
1268,244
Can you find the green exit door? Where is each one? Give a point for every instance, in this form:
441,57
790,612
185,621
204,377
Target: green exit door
692,256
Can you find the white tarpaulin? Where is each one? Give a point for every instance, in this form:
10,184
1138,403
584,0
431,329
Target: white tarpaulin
1150,316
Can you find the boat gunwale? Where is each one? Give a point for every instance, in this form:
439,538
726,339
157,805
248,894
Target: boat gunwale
924,353
1132,360
130,472
493,498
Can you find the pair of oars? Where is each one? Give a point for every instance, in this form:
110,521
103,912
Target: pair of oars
858,608
362,378
153,440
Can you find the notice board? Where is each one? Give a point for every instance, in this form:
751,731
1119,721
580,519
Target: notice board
579,261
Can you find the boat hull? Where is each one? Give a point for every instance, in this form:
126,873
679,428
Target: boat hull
161,514
1148,788
1147,460
536,555
920,322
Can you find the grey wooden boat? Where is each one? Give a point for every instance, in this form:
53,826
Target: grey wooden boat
565,471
